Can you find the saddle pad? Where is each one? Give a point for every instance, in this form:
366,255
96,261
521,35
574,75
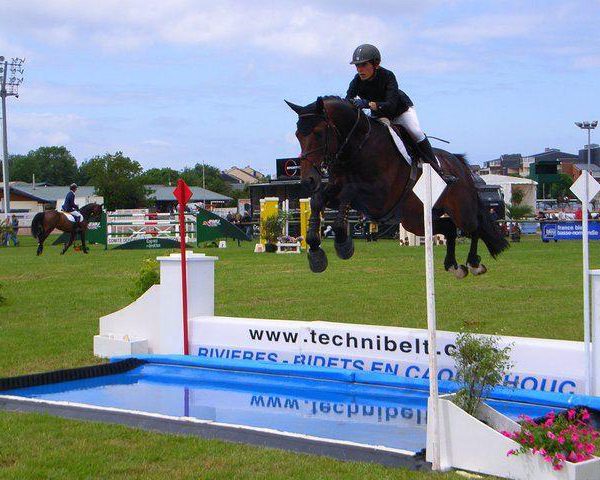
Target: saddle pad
70,217
397,140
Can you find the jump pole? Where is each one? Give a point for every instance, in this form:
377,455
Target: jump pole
429,188
586,187
183,194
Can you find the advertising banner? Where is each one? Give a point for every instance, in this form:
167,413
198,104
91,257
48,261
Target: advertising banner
571,230
539,364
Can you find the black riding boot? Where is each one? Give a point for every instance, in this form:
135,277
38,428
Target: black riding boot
429,157
76,226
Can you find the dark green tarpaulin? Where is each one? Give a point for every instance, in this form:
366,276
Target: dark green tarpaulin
212,227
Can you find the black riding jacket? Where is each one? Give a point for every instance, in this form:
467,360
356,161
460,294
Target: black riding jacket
383,89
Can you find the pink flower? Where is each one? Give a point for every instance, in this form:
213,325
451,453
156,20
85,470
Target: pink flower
547,458
558,466
560,440
575,437
571,414
585,415
511,452
581,457
550,435
589,448
548,423
543,451
572,457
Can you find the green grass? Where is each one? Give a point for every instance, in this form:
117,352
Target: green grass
54,302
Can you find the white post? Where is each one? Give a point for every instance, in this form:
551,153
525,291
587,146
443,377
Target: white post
586,284
432,414
595,280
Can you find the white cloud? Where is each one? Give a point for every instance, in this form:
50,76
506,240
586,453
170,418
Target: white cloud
486,27
157,143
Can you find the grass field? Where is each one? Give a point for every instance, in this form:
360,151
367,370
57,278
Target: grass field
54,302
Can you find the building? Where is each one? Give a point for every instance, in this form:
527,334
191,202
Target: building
31,198
246,176
164,201
507,164
594,154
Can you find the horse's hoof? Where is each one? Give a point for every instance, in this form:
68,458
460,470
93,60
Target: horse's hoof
345,250
317,260
478,270
459,271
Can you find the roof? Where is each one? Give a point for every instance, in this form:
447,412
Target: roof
49,194
164,193
592,167
504,179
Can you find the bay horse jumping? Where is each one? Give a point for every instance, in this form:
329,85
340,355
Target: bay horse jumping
364,170
45,222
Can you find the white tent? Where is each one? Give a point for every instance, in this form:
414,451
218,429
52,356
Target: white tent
512,184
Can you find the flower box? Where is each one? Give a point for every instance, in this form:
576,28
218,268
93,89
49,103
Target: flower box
476,444
289,247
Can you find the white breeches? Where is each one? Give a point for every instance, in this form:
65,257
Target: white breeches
410,122
77,215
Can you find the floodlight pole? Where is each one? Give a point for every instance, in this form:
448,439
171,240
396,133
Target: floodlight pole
16,69
5,176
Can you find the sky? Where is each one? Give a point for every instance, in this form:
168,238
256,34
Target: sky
172,83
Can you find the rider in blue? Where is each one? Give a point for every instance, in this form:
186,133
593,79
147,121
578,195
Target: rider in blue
71,207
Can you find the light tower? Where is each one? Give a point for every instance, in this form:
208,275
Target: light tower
9,85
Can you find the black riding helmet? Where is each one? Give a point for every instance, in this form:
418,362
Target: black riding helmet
365,53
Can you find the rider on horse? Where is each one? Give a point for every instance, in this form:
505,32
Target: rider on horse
71,207
378,90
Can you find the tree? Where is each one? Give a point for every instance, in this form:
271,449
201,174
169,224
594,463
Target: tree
118,179
54,165
212,178
160,176
561,189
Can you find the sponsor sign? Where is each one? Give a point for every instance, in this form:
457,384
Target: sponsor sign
539,364
288,168
571,230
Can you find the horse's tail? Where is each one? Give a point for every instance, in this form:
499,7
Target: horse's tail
489,231
37,225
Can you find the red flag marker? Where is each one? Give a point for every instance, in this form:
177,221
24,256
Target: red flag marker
183,194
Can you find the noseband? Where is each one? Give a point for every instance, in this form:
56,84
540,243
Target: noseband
329,158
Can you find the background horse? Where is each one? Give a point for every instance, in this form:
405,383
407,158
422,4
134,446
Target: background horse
45,222
367,173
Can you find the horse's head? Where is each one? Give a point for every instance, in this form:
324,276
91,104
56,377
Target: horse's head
319,140
92,211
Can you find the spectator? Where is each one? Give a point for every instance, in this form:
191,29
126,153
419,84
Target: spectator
578,214
15,230
5,231
493,215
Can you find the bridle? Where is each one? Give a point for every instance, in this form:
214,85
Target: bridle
329,158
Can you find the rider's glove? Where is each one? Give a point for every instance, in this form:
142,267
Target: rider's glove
360,103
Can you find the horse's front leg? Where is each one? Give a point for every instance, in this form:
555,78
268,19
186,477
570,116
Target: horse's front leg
317,259
344,246
84,248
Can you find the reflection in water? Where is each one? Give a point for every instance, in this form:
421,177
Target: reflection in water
367,414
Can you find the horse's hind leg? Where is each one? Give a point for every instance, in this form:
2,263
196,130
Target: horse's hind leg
474,260
446,227
41,239
68,244
317,260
